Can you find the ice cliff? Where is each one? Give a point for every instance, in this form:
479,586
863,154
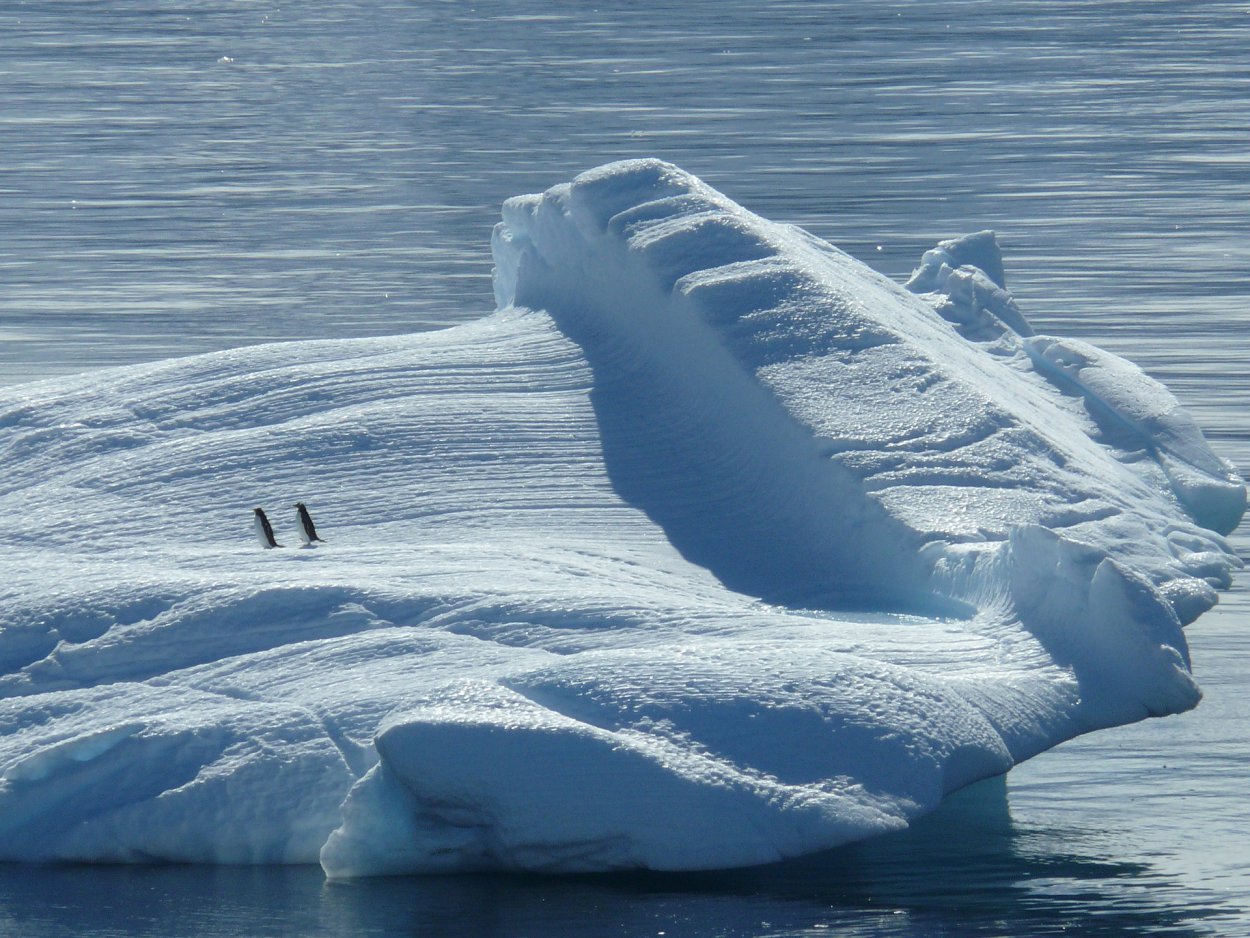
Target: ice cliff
709,547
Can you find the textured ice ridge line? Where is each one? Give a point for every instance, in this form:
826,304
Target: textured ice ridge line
680,282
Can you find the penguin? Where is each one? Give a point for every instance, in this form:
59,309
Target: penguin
264,532
307,533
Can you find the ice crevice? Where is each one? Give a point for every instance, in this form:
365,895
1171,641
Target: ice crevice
708,547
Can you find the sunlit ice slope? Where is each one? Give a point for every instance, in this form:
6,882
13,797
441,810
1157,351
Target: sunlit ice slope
709,547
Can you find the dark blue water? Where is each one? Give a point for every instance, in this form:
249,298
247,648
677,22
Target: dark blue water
185,176
969,870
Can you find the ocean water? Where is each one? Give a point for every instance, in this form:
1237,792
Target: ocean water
178,177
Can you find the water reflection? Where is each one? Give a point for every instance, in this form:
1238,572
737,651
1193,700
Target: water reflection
967,870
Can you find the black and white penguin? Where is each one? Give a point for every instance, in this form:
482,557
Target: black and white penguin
264,531
307,533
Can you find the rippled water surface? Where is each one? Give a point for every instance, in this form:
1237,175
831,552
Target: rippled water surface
177,177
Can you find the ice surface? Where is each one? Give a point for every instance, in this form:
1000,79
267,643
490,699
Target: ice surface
709,547
968,286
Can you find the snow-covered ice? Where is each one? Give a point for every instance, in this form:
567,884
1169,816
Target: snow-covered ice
709,547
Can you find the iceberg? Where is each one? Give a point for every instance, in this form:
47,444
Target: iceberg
709,547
